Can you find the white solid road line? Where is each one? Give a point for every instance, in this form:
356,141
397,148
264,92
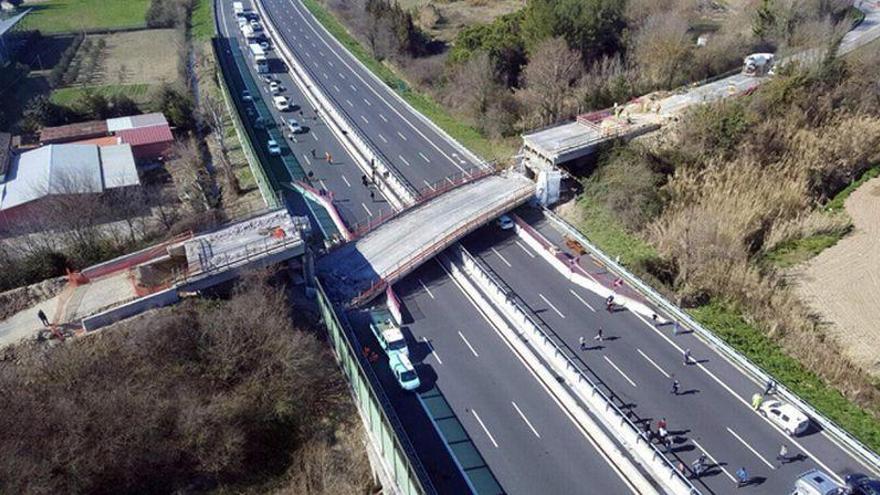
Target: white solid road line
759,456
484,428
368,210
426,289
551,305
401,135
744,402
345,180
468,344
502,258
524,418
403,160
383,118
424,157
579,298
365,120
383,138
714,461
661,370
524,249
619,370
433,352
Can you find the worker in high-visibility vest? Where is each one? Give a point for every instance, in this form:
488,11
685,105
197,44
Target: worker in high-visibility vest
757,399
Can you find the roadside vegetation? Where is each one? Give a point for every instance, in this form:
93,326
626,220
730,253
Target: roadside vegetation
738,190
553,59
232,395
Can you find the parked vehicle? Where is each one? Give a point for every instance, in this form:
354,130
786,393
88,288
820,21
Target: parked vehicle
281,103
294,126
238,8
383,326
272,146
246,95
403,371
265,45
815,482
786,416
758,64
275,87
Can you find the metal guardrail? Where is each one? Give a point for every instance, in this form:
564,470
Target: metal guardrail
564,351
398,456
337,109
852,444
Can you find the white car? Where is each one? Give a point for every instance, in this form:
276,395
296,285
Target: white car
505,222
294,126
256,26
272,146
266,79
281,103
786,416
403,371
246,95
275,87
265,45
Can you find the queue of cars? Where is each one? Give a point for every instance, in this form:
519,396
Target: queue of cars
393,343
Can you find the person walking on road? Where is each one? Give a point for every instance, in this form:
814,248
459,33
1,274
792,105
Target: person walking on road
782,456
599,337
675,328
687,357
582,342
742,477
43,319
676,388
661,424
314,155
769,387
699,466
373,195
757,399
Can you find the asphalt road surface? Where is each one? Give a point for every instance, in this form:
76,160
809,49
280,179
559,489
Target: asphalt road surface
407,142
639,362
528,441
342,176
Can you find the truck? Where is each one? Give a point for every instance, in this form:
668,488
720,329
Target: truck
758,64
238,8
249,33
260,61
387,333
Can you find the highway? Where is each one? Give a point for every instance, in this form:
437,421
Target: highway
639,362
528,441
534,447
342,176
408,143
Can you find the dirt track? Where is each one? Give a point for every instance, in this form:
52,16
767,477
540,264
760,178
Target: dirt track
842,284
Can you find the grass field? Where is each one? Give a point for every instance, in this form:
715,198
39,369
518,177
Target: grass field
203,20
56,16
66,96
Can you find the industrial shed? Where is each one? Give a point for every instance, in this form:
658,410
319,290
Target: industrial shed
62,169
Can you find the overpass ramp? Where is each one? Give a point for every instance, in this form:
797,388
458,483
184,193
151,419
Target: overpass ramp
360,270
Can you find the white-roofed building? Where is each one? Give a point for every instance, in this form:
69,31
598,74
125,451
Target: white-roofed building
63,169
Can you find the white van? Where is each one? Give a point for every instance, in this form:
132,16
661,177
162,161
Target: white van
382,324
281,103
815,482
786,416
403,371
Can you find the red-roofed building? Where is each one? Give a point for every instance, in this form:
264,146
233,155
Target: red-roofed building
149,135
148,142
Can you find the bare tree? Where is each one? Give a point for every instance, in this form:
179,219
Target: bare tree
550,78
379,33
474,85
662,49
190,176
214,115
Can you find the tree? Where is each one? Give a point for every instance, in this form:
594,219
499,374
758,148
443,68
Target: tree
190,176
550,78
214,114
474,85
592,27
177,107
764,21
662,49
502,40
40,111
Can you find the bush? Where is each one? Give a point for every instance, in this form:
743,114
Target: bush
212,394
177,107
56,77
